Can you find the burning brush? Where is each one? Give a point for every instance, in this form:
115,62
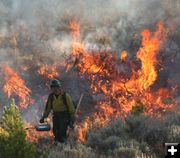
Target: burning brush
121,81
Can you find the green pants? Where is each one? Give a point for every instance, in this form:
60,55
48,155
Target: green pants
60,126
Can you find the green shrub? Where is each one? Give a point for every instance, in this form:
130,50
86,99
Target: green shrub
13,142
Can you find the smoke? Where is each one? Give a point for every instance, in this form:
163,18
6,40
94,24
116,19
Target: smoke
37,32
46,20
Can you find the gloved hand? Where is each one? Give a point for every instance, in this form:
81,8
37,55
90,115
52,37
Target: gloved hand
42,120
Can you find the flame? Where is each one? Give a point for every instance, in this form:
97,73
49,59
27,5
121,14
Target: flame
33,135
49,71
74,29
151,43
104,78
97,120
15,85
123,56
82,129
101,69
77,46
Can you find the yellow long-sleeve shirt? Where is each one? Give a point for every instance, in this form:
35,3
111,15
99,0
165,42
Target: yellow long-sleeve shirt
56,104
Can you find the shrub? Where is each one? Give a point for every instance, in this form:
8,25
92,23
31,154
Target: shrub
136,136
13,142
148,129
124,152
154,131
107,138
172,121
147,133
174,133
134,123
66,151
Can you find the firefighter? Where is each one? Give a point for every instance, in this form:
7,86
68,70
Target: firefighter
63,115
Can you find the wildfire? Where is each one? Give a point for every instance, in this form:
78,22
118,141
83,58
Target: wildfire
15,85
101,69
49,71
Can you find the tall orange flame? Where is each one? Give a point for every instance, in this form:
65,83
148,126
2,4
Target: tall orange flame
146,76
15,85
